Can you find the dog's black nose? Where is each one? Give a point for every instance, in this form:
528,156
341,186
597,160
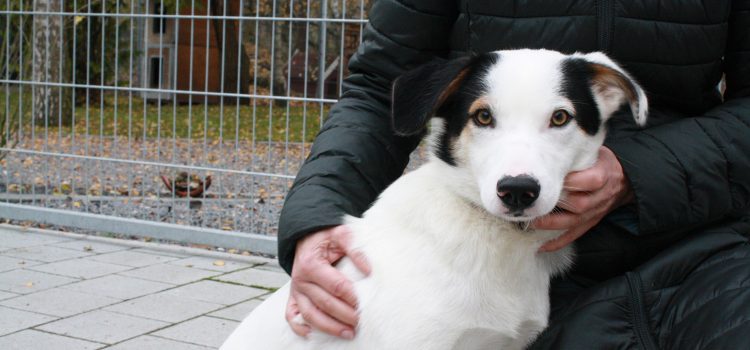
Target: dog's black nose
518,192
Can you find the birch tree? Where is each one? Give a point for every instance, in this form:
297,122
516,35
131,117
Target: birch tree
46,60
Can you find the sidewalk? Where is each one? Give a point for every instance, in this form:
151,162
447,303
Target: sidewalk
69,291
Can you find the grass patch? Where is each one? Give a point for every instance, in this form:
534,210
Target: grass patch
140,118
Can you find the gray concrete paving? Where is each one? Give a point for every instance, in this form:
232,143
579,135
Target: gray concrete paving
68,291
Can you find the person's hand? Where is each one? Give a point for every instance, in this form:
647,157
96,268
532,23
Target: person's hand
591,194
320,293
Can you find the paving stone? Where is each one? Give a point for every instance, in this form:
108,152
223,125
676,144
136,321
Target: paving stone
84,245
26,281
207,331
32,339
237,312
148,342
271,267
7,295
210,264
16,239
45,253
163,307
80,268
164,252
120,287
12,320
216,292
8,263
59,302
132,258
170,273
103,326
256,278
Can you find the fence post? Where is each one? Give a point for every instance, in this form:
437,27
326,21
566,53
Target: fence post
322,49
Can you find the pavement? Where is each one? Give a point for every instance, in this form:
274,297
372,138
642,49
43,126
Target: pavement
69,291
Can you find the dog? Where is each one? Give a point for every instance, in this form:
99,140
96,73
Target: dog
454,263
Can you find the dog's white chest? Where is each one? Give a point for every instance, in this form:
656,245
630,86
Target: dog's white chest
442,276
436,309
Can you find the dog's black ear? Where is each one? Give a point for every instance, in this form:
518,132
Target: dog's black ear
418,94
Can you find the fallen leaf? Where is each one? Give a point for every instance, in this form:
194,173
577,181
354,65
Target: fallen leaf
219,263
29,284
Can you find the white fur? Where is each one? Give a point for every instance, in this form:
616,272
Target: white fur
449,268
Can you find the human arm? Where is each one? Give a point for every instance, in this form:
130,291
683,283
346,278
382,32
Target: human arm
696,170
354,157
682,174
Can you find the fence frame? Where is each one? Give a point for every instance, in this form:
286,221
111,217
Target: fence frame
132,226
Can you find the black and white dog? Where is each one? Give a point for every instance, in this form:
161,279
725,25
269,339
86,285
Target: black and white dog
453,266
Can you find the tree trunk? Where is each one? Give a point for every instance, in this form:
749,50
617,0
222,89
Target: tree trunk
236,62
46,62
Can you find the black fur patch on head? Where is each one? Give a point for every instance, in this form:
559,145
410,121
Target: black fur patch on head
455,109
578,76
420,92
442,89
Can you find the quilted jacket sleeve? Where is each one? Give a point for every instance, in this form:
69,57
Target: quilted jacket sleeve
355,155
696,171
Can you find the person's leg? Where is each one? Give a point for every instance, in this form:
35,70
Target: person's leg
694,295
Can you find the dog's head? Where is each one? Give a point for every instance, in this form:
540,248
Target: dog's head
512,124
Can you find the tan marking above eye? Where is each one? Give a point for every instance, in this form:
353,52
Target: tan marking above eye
480,103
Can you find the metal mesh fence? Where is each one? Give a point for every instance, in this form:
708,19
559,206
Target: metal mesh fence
175,119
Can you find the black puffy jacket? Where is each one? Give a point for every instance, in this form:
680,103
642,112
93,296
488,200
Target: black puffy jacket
681,278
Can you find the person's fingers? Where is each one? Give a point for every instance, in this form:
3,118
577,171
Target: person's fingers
329,304
587,180
341,235
567,237
557,221
292,310
360,261
332,281
576,202
320,320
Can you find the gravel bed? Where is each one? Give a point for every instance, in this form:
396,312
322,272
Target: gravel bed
237,200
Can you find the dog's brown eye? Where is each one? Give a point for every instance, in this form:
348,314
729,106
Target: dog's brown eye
559,118
483,117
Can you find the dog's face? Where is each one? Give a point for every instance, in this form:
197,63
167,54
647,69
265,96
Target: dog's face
512,124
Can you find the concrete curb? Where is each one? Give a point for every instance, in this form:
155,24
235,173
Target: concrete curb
162,247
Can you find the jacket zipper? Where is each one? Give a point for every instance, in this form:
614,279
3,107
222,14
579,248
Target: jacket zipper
638,310
605,12
468,28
